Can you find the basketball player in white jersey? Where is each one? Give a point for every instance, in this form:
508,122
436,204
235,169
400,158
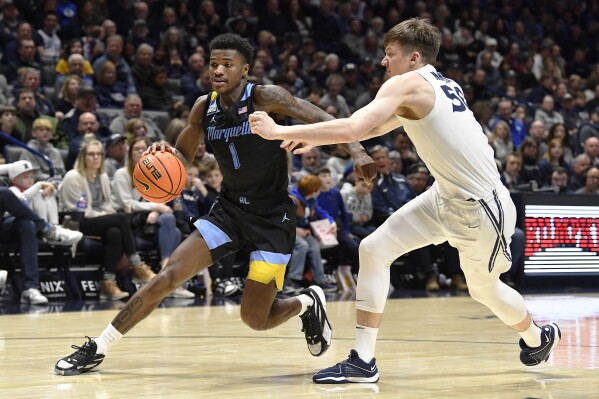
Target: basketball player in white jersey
466,206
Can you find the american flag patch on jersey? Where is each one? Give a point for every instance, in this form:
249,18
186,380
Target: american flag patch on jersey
242,110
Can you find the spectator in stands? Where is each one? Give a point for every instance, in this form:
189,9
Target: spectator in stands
110,93
30,78
8,121
116,154
8,23
157,97
531,171
331,201
67,95
590,129
390,192
501,141
504,113
510,177
547,113
17,221
114,53
75,66
42,133
86,102
591,182
560,178
580,165
100,219
358,202
87,125
51,43
552,159
133,109
73,46
126,198
304,196
27,113
136,127
142,67
27,58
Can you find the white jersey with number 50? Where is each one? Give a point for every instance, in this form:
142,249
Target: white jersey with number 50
452,143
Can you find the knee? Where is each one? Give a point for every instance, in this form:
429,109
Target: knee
252,320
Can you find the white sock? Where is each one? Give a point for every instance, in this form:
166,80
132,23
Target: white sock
306,300
532,336
108,337
366,342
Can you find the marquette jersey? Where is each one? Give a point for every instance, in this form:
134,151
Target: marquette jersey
452,144
251,166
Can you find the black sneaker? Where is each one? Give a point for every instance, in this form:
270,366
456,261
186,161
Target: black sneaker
315,324
550,336
83,360
353,369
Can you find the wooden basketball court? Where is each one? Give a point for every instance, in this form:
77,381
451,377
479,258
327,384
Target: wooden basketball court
439,347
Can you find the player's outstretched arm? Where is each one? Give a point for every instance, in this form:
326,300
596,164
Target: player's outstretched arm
358,126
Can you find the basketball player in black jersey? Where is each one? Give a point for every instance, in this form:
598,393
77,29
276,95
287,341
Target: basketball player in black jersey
253,209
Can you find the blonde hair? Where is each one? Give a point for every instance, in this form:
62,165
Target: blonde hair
42,123
80,161
416,35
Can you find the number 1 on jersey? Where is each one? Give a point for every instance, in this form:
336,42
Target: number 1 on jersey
236,163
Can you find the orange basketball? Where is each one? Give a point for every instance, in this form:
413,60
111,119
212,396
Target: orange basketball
159,177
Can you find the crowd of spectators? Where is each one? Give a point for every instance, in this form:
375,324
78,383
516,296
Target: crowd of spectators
123,69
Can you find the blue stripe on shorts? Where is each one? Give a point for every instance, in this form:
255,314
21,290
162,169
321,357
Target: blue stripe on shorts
213,236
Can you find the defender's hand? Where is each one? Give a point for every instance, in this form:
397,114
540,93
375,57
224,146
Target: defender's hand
262,125
364,167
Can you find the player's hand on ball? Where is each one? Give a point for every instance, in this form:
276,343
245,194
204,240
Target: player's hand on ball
262,125
161,146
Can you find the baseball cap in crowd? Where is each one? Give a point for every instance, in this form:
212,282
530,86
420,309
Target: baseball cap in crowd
351,67
491,41
417,168
83,90
114,138
19,167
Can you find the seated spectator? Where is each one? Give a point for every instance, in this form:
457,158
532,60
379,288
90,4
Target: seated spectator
109,92
42,133
133,109
331,201
156,96
114,53
502,141
27,113
358,202
531,171
86,189
510,177
126,198
8,121
73,46
307,209
559,180
553,158
580,166
136,127
591,182
86,102
142,67
18,221
116,154
29,78
67,95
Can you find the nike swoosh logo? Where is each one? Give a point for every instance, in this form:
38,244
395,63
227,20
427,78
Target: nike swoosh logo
146,185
